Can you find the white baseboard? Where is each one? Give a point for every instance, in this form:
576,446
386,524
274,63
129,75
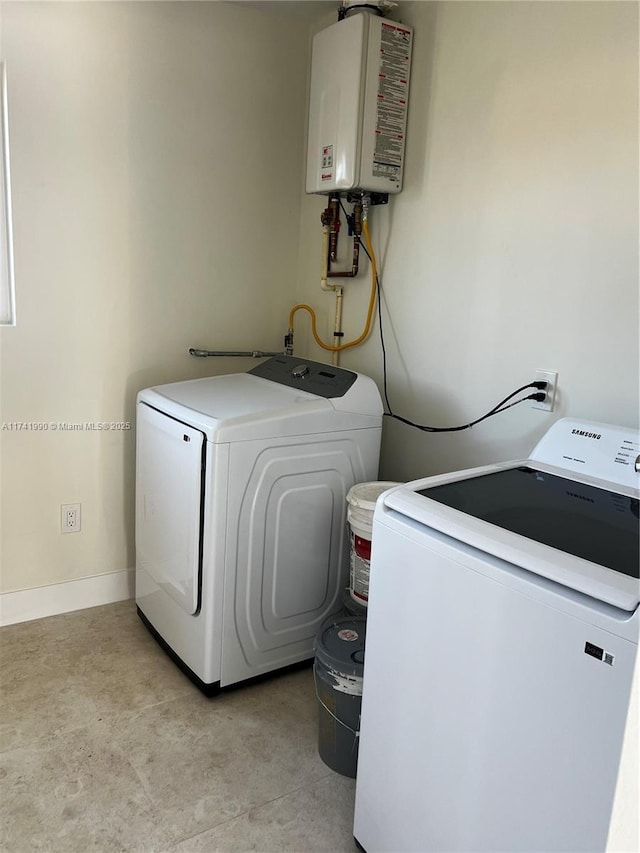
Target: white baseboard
27,604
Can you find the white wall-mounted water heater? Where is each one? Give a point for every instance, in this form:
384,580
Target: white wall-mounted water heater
358,105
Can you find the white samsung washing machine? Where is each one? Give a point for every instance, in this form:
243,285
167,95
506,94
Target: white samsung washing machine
502,635
241,483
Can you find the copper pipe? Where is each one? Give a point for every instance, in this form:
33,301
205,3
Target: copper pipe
357,231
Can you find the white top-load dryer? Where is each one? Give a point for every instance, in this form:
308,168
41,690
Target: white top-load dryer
241,484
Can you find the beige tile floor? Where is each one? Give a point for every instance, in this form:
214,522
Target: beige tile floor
106,746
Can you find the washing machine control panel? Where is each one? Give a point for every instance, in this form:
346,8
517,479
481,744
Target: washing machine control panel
325,380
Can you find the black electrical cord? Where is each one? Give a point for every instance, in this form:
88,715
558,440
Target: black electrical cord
495,411
502,406
344,209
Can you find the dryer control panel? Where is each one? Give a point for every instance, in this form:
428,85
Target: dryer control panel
325,380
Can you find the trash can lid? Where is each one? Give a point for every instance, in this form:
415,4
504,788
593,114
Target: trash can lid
340,645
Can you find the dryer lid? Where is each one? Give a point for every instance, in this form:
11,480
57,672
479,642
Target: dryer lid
231,396
234,406
274,400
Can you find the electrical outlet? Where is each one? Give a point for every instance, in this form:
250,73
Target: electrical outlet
551,378
70,518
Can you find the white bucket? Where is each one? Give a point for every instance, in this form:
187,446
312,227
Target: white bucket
361,503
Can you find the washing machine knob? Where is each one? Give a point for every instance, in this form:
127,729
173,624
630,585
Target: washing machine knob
299,371
637,464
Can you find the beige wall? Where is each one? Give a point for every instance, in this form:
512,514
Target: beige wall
514,244
157,153
158,172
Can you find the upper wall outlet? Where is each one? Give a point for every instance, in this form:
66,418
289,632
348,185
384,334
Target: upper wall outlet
551,378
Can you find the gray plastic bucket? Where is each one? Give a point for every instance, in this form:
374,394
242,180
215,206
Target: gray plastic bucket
338,671
351,607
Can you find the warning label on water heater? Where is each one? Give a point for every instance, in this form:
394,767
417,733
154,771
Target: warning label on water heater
393,88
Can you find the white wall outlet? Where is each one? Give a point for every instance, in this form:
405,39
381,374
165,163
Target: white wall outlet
551,378
70,518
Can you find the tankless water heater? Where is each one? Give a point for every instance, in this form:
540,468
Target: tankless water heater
358,105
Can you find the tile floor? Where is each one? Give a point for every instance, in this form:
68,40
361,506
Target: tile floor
106,746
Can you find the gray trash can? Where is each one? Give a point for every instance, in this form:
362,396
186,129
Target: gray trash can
351,607
338,670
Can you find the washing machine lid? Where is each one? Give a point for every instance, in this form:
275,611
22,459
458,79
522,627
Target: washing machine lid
421,506
596,524
560,523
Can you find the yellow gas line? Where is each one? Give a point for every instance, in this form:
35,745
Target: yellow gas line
336,348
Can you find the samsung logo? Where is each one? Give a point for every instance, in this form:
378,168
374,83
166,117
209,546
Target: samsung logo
586,434
580,497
